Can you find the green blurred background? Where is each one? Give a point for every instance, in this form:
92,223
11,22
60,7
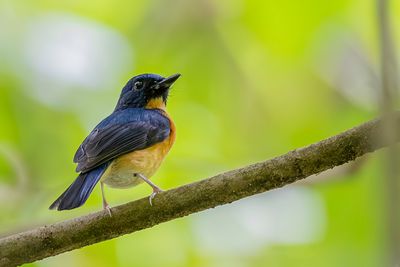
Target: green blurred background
259,78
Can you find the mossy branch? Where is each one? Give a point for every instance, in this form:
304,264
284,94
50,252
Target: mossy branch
221,189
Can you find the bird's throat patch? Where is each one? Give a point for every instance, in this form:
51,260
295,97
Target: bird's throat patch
156,103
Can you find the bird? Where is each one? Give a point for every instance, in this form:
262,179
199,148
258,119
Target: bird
127,147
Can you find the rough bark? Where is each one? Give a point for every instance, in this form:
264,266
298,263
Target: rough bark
221,189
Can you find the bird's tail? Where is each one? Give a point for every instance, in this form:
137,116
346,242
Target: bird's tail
78,192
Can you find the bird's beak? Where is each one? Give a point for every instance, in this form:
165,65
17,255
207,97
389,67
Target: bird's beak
167,82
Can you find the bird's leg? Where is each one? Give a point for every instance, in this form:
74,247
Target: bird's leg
105,204
156,189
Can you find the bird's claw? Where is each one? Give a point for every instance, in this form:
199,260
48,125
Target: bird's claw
156,190
108,209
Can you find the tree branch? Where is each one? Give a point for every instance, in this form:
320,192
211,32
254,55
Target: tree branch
221,189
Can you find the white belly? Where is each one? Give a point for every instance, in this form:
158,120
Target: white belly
122,179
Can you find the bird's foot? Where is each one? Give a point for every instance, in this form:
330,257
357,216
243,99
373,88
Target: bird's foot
107,208
156,190
105,204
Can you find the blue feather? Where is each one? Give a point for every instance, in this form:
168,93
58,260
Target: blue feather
78,192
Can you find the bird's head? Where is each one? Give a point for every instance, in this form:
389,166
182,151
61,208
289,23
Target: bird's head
146,91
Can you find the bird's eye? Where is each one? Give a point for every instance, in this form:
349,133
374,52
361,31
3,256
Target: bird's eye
138,85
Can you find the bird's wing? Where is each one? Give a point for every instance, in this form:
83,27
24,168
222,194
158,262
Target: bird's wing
122,132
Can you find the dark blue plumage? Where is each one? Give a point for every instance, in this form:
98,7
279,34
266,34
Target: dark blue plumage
78,192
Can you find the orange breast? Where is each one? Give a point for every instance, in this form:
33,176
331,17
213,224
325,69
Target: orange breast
158,103
172,134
